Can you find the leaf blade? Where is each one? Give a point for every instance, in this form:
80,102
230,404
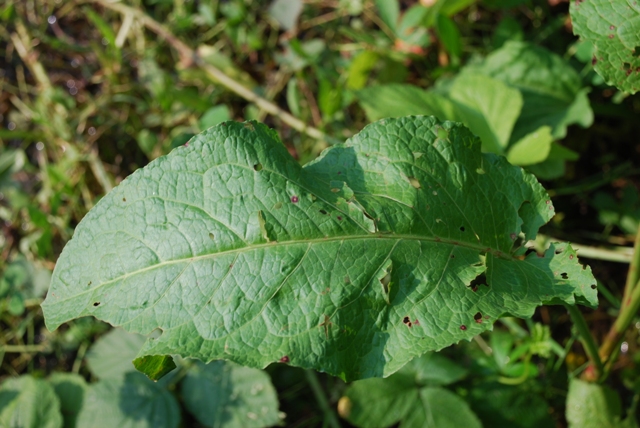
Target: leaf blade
286,261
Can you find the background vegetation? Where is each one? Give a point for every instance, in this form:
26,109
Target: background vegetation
92,91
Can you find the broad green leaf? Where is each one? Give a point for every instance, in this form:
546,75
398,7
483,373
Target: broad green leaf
613,26
551,89
488,107
380,402
154,366
440,408
129,401
396,100
406,397
111,356
352,265
502,406
435,369
532,148
223,394
26,402
70,389
590,405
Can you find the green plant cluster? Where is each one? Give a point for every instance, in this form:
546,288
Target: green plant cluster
319,213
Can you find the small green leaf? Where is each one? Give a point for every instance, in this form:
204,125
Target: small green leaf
434,369
360,69
441,408
532,148
214,116
223,394
154,366
111,355
27,402
501,406
396,100
409,397
449,35
590,405
70,389
286,12
131,401
614,29
389,11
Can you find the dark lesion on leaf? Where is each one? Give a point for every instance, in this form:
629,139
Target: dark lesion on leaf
96,304
478,317
478,281
407,321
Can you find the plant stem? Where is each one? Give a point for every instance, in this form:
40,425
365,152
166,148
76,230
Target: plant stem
628,309
612,340
189,57
634,272
329,414
618,254
586,338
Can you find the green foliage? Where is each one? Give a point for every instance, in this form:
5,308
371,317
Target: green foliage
30,403
520,98
223,394
614,29
590,405
412,396
284,275
131,400
90,94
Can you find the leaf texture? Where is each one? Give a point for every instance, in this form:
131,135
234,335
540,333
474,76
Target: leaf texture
613,26
354,264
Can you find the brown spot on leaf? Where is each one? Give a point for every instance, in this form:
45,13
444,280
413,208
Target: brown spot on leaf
478,317
294,199
285,359
463,327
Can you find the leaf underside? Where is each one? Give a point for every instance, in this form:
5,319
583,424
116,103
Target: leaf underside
352,265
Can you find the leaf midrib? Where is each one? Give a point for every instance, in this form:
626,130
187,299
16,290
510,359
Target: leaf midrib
377,236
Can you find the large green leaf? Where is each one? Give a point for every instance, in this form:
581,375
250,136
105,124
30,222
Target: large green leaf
26,402
129,401
353,265
408,397
223,394
613,26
